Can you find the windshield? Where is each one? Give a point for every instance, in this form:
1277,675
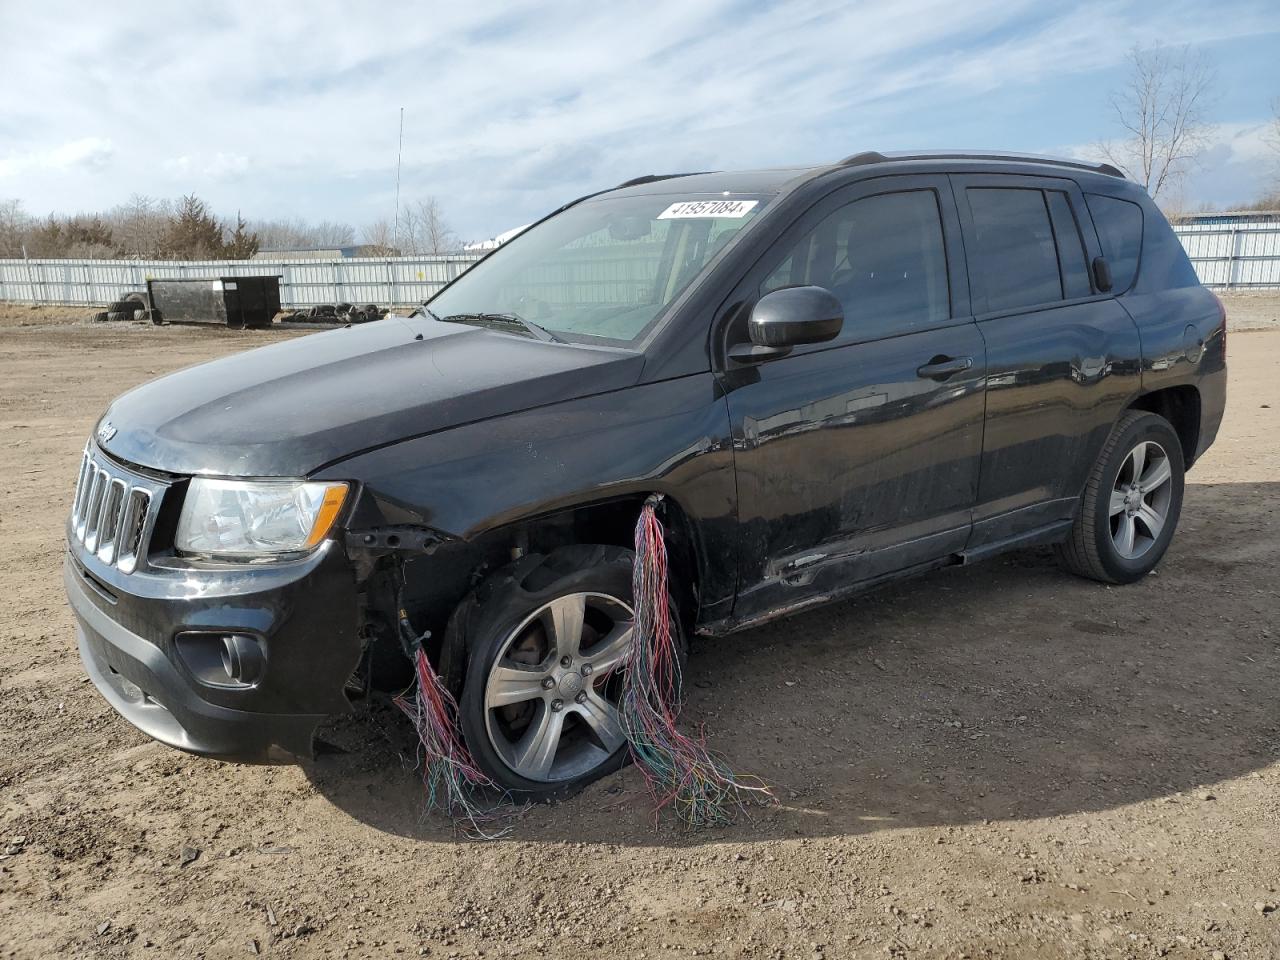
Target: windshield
603,268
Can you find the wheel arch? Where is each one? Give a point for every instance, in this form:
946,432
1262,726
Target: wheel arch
612,522
1180,405
442,604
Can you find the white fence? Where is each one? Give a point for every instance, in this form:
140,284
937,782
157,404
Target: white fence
1229,256
303,283
1234,256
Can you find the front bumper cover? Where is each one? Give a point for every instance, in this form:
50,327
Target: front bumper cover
303,613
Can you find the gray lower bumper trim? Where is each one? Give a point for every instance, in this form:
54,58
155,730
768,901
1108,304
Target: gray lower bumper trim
145,688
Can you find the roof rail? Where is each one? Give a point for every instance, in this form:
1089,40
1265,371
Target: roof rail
655,177
875,156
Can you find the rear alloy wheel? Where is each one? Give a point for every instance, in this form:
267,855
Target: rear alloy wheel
1140,499
1131,502
548,640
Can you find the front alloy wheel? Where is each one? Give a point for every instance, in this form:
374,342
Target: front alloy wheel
551,701
547,641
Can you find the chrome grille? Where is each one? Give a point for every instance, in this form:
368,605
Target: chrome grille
112,511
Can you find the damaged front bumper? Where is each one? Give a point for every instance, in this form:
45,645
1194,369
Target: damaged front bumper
153,642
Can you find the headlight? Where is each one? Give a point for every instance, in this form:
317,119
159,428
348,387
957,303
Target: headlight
248,519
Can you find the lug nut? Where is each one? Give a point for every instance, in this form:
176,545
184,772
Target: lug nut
547,683
565,661
557,705
581,697
586,669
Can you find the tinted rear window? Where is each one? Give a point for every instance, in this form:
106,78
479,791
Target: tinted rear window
1016,255
1075,274
1119,224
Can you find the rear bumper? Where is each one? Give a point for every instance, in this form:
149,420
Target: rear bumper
1213,404
304,620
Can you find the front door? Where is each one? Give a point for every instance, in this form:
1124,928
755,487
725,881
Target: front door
858,457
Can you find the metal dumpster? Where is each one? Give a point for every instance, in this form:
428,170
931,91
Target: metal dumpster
237,302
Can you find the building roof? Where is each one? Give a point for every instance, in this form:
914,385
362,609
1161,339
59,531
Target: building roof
1232,216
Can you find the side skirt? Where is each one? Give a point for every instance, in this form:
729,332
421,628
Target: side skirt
1049,533
720,628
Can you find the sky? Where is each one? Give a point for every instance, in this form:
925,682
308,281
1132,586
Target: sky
291,109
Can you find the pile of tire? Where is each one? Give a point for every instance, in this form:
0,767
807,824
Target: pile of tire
334,313
132,306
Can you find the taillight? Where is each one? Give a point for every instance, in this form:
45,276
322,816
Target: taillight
1222,320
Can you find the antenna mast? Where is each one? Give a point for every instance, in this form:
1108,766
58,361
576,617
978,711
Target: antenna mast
395,233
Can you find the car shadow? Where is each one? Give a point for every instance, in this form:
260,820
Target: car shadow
1004,690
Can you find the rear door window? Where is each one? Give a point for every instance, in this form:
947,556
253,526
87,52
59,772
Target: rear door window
1015,254
1071,255
1119,224
882,256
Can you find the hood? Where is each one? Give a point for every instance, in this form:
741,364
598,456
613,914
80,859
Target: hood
287,409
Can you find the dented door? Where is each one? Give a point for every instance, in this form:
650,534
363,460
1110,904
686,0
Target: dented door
860,457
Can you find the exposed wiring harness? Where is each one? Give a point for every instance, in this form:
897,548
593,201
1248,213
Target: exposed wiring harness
454,784
680,771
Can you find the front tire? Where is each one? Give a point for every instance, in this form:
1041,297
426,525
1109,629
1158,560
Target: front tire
1131,502
547,638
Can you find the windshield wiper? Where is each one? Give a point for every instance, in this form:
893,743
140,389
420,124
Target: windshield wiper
502,319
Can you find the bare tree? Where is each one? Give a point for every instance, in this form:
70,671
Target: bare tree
378,238
15,224
299,234
139,226
1273,140
331,233
145,227
423,228
1163,110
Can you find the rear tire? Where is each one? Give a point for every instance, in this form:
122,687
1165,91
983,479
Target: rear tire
1131,503
564,620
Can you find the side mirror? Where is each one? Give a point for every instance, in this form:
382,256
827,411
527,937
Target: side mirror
787,318
1102,274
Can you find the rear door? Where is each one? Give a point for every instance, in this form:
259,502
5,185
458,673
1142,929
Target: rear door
1063,359
858,457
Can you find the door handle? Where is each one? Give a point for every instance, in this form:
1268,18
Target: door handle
941,368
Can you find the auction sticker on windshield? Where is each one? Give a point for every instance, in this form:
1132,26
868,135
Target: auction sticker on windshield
686,209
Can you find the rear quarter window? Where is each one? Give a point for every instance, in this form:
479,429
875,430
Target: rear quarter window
1119,224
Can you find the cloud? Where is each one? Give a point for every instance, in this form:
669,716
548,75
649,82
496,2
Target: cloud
219,166
290,110
226,166
85,155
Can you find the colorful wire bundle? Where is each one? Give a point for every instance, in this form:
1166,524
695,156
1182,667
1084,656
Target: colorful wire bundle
680,771
454,783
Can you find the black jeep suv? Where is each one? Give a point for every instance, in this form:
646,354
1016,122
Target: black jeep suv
836,376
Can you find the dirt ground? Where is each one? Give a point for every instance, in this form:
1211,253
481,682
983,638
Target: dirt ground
994,761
